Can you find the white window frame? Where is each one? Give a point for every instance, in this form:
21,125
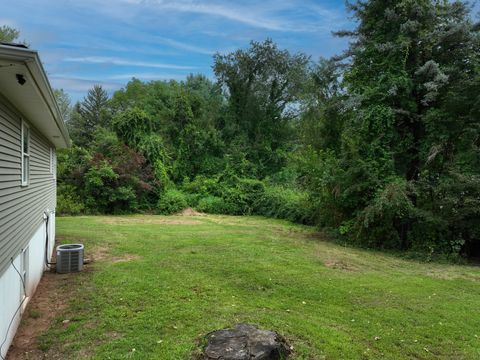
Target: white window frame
25,171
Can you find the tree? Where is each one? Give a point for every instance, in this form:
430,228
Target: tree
94,108
89,115
262,85
8,34
64,104
322,116
412,82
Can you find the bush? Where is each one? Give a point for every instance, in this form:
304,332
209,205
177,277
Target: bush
241,196
245,196
385,222
68,202
212,205
284,203
203,186
238,195
172,201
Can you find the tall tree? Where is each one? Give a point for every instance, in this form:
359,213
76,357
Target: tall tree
64,104
94,107
412,82
322,102
261,83
89,115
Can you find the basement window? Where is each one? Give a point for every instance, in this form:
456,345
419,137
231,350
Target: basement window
53,159
25,153
24,271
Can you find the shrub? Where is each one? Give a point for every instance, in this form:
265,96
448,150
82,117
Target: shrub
68,202
385,222
284,203
212,205
241,196
172,201
203,186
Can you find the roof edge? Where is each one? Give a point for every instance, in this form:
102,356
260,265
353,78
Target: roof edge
31,60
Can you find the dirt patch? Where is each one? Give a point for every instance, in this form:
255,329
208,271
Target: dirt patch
125,258
52,293
452,273
101,253
340,265
148,221
190,212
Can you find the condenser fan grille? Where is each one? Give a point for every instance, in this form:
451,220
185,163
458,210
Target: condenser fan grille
69,258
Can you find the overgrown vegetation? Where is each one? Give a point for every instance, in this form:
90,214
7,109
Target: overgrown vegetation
381,144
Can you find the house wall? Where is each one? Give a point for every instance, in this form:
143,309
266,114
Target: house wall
21,208
22,224
11,287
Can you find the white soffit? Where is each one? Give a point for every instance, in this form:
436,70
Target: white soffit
34,99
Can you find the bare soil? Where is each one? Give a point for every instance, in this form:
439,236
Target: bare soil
148,221
190,212
52,293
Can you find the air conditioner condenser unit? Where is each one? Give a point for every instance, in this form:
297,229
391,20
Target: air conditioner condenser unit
69,258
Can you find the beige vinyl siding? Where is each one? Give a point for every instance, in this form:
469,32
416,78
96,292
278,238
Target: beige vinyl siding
21,207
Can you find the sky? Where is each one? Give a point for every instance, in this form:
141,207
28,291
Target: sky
108,42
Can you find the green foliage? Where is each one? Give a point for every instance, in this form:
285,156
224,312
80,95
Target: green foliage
241,195
172,201
212,205
262,82
322,176
132,126
94,108
64,104
387,216
380,143
378,164
68,201
8,34
233,195
86,116
284,203
203,186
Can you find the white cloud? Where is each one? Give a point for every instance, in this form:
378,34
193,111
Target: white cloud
269,15
246,16
183,46
8,22
122,62
148,76
72,84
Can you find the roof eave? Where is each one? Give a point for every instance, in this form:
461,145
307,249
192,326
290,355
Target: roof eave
32,62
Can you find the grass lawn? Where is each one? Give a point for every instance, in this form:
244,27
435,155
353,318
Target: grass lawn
158,284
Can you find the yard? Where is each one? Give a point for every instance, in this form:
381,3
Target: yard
158,284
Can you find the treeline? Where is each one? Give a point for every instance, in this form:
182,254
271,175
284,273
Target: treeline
380,144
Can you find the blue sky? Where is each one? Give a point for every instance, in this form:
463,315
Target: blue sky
84,42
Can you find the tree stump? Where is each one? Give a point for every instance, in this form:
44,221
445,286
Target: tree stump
245,342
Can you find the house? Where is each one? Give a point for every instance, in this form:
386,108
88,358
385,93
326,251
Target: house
31,130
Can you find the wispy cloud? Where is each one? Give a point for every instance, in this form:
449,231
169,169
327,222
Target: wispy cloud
8,22
111,41
260,15
73,84
244,16
183,46
148,76
124,62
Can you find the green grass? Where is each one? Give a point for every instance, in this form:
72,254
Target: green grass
161,285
